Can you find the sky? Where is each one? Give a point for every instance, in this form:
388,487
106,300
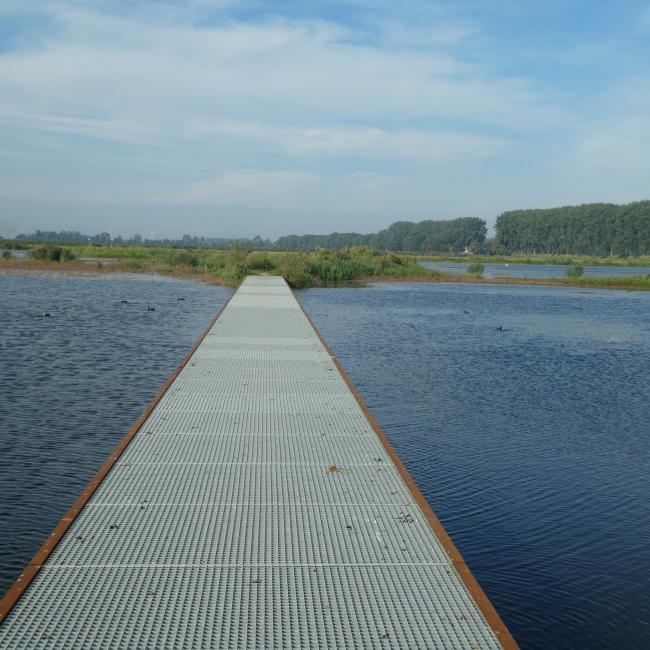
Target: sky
231,118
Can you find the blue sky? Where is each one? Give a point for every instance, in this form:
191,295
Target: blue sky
228,118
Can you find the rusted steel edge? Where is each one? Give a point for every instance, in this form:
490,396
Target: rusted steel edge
20,586
471,584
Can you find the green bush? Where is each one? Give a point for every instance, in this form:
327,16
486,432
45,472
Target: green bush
476,269
232,274
215,261
299,278
180,258
259,261
574,272
49,253
302,269
295,268
236,254
132,265
6,255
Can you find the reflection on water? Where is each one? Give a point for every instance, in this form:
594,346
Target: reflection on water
71,385
535,271
530,442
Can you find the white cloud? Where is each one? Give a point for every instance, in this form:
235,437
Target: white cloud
113,129
283,72
609,161
422,146
607,156
274,189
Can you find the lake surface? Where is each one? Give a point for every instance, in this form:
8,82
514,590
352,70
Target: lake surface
530,443
71,385
535,271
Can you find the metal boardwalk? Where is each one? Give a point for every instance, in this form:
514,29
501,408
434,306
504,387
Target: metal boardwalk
258,505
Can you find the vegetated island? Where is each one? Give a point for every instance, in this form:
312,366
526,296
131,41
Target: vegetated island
592,234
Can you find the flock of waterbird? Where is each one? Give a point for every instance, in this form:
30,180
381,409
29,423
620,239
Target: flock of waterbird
47,314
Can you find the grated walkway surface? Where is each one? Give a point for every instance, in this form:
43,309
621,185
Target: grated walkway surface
255,508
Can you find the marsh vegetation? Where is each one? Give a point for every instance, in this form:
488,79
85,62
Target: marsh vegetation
301,269
51,253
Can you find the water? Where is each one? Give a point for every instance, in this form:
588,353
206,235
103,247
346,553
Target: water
536,271
72,384
531,443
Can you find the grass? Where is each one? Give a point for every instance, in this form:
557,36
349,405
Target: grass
562,260
629,282
574,272
300,269
49,253
324,268
335,268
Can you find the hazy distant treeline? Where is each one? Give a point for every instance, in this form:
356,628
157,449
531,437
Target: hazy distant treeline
187,241
333,240
443,236
592,229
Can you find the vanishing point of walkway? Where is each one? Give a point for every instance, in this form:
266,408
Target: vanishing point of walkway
256,505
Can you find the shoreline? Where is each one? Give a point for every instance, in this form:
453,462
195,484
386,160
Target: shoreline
82,268
541,259
85,269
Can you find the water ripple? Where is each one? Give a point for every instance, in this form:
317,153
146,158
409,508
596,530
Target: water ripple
530,443
71,385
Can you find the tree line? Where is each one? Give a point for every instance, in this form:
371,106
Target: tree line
450,236
105,238
592,229
442,236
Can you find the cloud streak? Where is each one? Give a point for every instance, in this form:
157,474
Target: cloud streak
293,73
